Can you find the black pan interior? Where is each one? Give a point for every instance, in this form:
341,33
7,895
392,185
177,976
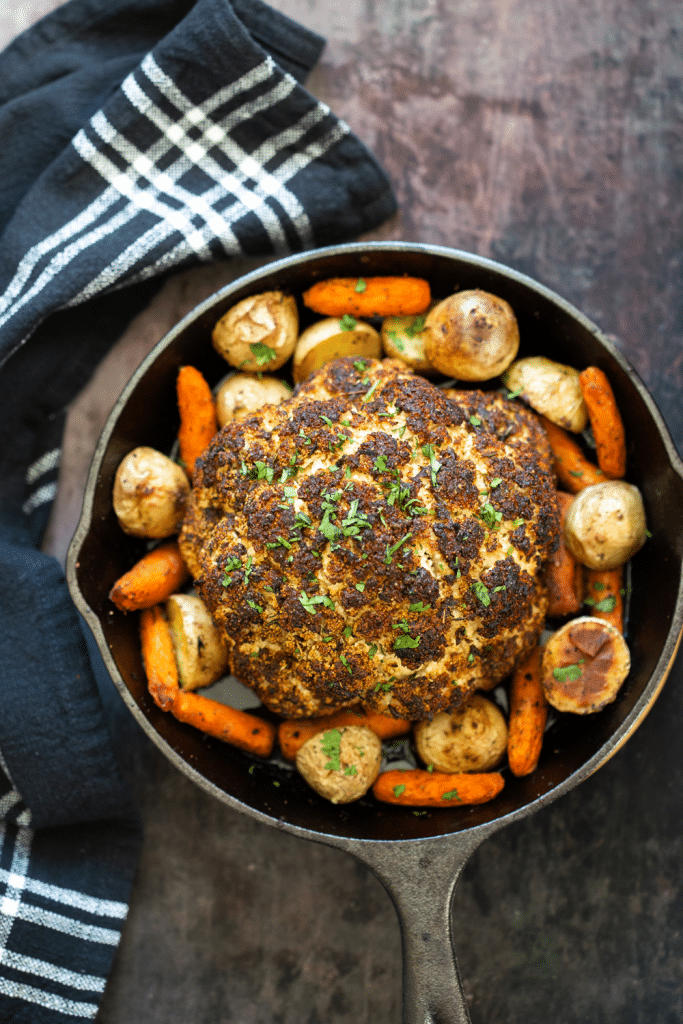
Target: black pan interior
146,414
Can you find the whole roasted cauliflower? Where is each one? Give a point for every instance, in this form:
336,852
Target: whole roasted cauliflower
374,541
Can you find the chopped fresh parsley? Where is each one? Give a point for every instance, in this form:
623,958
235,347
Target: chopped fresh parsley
434,464
360,285
347,323
360,365
452,794
608,604
360,587
394,548
405,641
490,516
256,607
345,663
350,770
419,607
330,744
262,353
372,651
475,421
481,592
568,673
399,789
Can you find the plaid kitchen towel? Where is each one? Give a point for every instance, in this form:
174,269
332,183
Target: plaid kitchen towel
139,137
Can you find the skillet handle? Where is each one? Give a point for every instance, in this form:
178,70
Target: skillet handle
420,877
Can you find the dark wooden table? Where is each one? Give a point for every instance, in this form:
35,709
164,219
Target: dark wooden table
549,136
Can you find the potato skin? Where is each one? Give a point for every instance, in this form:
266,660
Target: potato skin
243,393
471,739
150,493
471,335
201,654
591,659
269,321
605,524
359,760
550,388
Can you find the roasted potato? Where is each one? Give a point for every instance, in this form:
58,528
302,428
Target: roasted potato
243,393
150,493
471,739
584,665
259,333
341,764
201,654
331,339
605,524
403,339
471,335
550,388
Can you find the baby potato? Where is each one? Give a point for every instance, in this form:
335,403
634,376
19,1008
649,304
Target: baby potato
471,739
259,333
402,338
243,393
341,764
331,339
150,493
550,388
201,654
471,335
605,524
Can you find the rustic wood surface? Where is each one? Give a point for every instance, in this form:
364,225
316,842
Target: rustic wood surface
548,136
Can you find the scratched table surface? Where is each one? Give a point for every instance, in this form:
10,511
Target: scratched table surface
548,136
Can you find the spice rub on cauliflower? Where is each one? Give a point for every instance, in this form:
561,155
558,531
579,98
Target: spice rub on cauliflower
374,541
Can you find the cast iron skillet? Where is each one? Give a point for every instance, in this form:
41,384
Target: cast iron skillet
418,858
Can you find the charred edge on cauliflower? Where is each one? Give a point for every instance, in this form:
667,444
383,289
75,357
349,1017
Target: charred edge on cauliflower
374,541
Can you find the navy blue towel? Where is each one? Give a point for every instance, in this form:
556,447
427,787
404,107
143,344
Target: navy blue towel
139,137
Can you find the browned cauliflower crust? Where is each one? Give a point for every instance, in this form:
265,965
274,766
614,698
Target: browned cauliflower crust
374,541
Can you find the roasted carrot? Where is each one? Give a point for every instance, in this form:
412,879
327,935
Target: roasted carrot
158,574
563,575
574,470
239,728
197,409
369,296
528,715
418,788
293,733
606,421
604,595
158,657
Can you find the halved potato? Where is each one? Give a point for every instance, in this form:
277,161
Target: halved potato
201,654
243,393
584,665
258,333
331,339
550,388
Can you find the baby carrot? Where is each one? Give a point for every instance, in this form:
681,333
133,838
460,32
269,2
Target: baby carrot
418,788
563,575
197,409
528,714
293,733
574,471
158,657
369,296
603,594
606,421
239,728
158,574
